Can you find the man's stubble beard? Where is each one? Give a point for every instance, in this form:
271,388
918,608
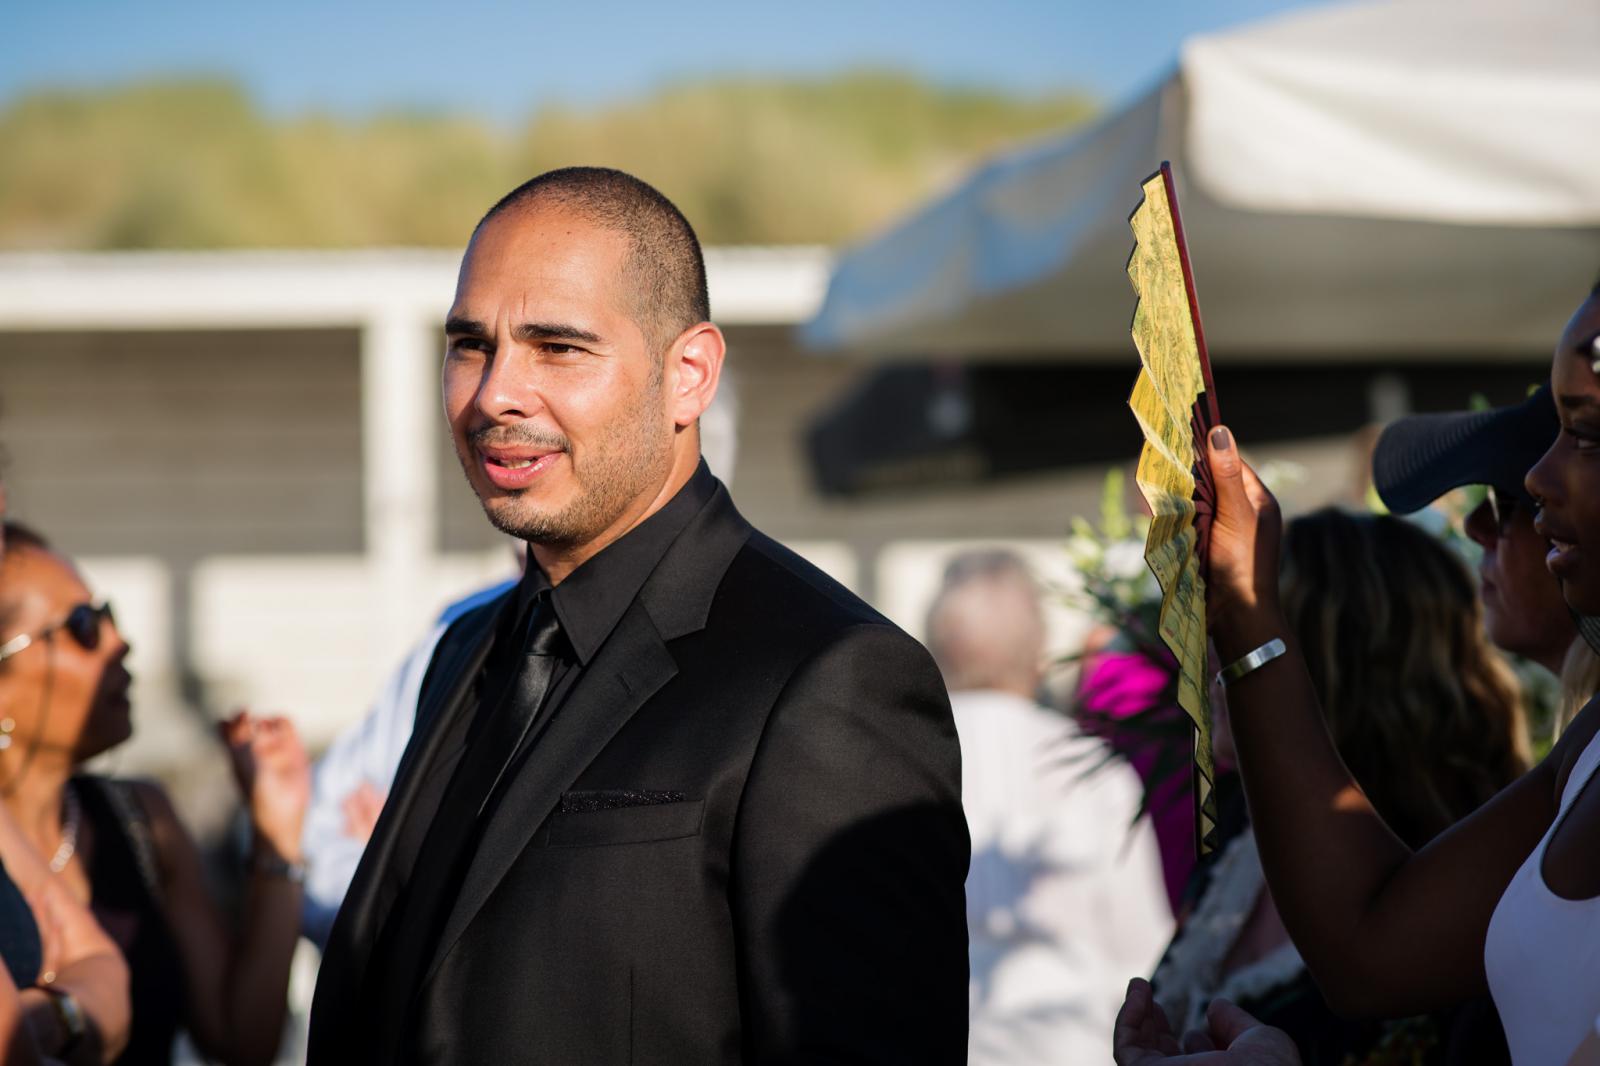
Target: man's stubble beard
622,466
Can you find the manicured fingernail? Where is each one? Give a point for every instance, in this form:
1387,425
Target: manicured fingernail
1221,439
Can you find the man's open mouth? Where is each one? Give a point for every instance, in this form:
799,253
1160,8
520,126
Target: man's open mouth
509,468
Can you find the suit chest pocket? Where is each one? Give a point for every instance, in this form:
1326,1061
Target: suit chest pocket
626,825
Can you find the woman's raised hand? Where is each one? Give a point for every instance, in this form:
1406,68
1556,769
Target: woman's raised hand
274,777
1242,581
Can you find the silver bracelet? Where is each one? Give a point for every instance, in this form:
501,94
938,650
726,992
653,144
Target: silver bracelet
1254,660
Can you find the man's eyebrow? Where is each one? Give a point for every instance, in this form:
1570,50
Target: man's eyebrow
1578,403
526,332
553,331
465,327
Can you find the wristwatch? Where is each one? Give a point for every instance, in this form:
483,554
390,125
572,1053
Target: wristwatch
70,1014
275,866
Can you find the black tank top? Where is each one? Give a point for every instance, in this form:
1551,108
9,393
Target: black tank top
19,934
125,900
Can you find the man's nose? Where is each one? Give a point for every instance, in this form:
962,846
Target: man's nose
510,386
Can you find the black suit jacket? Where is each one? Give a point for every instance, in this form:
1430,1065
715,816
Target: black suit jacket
739,839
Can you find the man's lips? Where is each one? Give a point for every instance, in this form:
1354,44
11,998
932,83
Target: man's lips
516,468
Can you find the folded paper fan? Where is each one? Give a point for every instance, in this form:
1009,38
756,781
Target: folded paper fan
1175,404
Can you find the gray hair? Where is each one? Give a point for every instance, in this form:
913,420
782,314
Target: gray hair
986,627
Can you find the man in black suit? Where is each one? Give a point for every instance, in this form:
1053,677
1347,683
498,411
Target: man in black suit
678,798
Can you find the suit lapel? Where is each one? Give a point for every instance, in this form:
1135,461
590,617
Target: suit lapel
376,885
630,667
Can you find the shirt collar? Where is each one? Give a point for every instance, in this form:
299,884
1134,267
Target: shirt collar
594,597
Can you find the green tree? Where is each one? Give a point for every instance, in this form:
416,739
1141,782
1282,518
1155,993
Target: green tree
194,164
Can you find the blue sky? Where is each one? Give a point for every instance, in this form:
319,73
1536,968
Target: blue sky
501,60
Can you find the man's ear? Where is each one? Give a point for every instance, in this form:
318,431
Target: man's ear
694,366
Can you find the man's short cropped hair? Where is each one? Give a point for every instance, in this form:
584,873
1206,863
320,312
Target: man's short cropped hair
665,266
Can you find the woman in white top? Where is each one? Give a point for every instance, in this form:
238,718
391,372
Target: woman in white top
1509,899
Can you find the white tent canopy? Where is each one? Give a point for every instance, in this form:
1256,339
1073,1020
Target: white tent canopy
1406,179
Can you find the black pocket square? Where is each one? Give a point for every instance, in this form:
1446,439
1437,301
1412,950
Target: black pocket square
609,799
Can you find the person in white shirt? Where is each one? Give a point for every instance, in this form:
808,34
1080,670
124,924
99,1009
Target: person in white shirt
1065,896
352,779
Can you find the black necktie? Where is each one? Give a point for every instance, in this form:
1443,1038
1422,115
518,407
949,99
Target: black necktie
441,861
503,737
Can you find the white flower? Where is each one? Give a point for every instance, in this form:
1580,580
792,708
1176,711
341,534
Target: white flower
1124,559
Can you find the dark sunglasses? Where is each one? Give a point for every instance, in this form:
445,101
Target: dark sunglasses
82,624
1504,505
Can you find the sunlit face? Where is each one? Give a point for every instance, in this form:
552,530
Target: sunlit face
555,399
1523,611
65,700
1567,480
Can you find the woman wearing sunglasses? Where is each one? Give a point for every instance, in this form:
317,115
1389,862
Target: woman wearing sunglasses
1508,901
120,847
